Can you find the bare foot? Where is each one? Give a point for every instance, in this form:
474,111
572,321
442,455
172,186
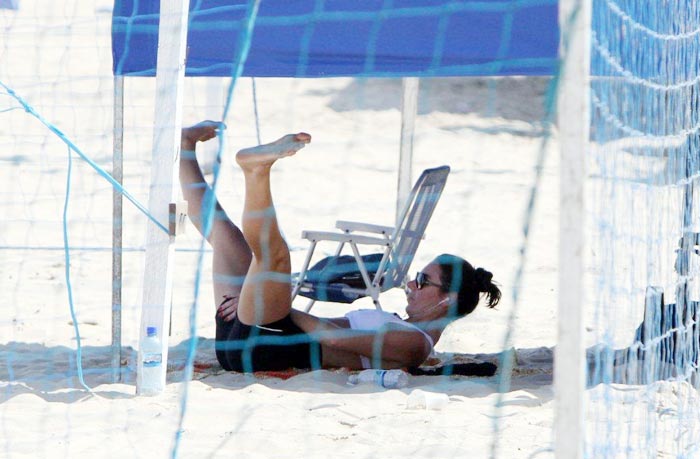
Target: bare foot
200,132
267,154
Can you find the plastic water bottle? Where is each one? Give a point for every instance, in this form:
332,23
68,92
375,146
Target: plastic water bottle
151,363
390,379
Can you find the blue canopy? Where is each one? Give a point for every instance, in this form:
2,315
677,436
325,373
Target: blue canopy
9,4
372,38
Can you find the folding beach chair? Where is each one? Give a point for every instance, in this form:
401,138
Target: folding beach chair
345,278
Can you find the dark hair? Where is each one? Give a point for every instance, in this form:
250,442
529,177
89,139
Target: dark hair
458,276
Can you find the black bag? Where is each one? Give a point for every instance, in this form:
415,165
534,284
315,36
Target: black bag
343,269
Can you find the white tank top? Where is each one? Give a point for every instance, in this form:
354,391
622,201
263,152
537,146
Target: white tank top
372,319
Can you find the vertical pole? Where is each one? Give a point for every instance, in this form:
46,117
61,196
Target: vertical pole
573,121
409,110
117,200
170,71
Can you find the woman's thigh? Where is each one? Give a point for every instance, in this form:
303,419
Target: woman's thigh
266,295
231,259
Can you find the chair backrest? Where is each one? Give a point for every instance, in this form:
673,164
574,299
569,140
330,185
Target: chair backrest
412,222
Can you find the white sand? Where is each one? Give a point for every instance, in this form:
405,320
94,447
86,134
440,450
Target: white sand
489,133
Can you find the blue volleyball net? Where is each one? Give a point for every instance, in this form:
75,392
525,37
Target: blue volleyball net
644,165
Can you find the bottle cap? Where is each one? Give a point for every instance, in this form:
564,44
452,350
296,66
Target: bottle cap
151,331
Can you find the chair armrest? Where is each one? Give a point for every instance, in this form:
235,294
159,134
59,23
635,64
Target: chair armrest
316,236
366,227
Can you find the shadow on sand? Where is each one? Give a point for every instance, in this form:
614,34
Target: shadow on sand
516,99
52,372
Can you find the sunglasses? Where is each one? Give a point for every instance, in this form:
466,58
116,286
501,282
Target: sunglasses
422,281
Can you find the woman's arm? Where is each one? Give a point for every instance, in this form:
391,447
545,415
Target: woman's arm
341,322
393,344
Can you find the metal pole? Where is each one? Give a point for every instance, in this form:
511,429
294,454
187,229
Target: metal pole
409,110
118,174
573,121
160,247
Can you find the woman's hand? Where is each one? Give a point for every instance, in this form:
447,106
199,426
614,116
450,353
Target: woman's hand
227,309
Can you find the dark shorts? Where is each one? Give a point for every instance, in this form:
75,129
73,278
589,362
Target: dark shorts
276,346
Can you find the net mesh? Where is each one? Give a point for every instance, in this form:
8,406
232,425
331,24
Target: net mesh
643,401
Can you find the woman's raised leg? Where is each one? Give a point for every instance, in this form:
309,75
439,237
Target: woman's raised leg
266,293
231,253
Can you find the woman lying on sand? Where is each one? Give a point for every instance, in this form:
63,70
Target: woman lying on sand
256,326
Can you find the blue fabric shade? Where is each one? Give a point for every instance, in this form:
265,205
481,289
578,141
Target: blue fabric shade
310,38
9,4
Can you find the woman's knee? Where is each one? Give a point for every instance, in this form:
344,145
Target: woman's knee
276,260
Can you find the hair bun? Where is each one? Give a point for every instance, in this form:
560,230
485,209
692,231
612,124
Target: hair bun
483,279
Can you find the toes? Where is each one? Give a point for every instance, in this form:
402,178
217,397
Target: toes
291,139
302,137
